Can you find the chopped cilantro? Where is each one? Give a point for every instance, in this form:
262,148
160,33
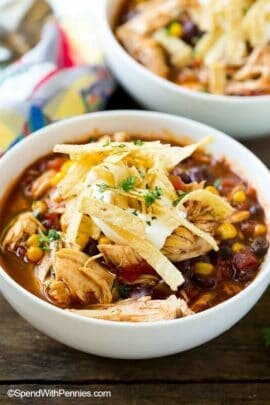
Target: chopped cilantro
123,291
135,212
128,184
138,142
152,196
102,187
121,145
266,336
148,223
141,173
217,183
153,218
45,239
181,195
107,143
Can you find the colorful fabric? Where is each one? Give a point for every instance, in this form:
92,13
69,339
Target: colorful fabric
47,85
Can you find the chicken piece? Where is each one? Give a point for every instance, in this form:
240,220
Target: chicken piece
144,50
183,245
42,184
20,228
203,302
153,17
86,280
120,255
254,77
202,216
59,293
139,310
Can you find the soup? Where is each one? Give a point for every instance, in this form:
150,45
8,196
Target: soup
126,229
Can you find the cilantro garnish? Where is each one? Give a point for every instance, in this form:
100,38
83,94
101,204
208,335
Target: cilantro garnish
135,212
266,336
180,197
91,140
148,223
138,142
107,143
45,239
152,196
123,291
121,145
102,187
217,183
128,184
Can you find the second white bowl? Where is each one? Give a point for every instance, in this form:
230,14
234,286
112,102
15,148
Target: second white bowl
242,117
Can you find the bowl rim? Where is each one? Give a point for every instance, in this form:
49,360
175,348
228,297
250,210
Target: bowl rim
165,83
260,278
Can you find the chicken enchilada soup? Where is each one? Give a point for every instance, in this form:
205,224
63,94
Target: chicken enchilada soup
215,46
126,229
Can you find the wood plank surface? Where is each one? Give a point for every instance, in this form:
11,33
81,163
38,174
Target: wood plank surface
233,369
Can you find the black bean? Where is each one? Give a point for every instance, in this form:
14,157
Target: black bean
139,291
225,252
197,174
256,209
191,31
204,282
260,246
185,177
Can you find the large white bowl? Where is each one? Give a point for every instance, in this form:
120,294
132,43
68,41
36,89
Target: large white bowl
137,340
241,117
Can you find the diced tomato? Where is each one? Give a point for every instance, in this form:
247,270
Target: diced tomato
51,221
177,182
56,164
133,272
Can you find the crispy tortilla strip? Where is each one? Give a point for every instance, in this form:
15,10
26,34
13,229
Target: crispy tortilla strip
166,270
113,215
72,183
80,229
218,204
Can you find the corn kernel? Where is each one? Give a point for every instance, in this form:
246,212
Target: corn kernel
205,269
239,197
227,231
212,189
39,206
32,241
260,230
34,254
237,247
66,166
57,178
103,240
175,29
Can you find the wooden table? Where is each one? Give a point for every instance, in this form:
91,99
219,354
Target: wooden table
232,369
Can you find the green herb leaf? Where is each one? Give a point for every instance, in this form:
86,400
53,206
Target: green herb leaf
135,212
138,142
121,145
217,183
45,239
181,195
102,187
91,140
128,184
148,223
107,143
266,336
152,196
123,290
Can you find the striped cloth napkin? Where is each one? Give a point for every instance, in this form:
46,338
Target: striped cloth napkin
48,84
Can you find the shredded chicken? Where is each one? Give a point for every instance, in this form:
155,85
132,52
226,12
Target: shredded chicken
85,279
183,245
144,50
23,226
42,184
120,255
139,310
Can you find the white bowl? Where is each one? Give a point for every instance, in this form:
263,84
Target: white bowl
137,340
242,117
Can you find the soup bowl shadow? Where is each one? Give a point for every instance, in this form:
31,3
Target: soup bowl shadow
123,339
